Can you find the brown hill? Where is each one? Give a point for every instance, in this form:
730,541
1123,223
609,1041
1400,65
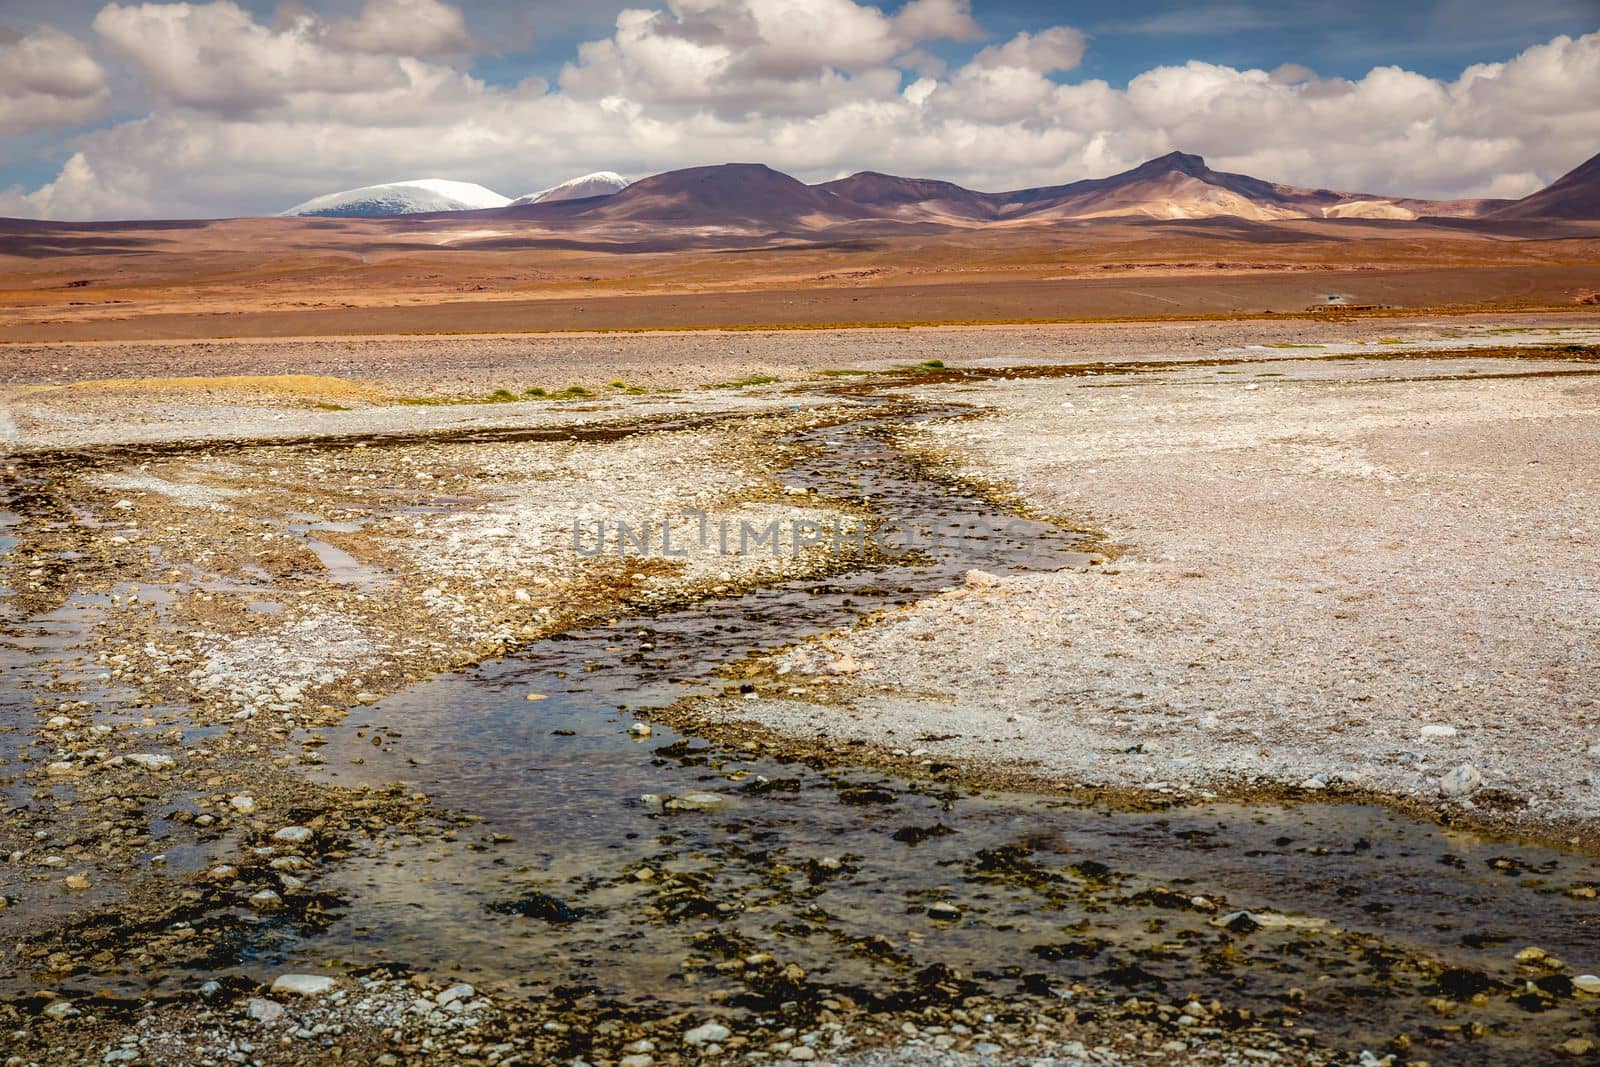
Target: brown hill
748,195
1574,195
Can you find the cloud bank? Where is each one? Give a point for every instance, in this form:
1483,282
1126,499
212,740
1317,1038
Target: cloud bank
237,117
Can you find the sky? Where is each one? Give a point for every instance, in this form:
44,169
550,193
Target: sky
239,107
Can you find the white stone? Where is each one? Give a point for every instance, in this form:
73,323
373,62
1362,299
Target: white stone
707,1034
152,761
1587,983
263,1010
459,991
243,805
293,835
1434,729
302,985
1463,781
639,729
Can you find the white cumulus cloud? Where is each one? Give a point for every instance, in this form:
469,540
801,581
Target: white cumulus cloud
48,79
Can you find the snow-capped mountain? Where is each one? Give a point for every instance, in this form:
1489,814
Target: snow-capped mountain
600,183
402,198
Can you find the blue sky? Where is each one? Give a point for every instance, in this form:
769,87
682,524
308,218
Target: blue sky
628,110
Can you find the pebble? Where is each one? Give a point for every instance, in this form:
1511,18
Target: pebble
944,911
1587,983
244,805
152,761
1463,781
707,1034
293,835
639,729
77,882
637,1059
264,1011
265,900
698,802
459,991
304,985
1434,729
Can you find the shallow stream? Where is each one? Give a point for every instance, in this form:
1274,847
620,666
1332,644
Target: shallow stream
579,877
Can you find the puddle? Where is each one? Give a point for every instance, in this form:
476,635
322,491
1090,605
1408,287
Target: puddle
342,567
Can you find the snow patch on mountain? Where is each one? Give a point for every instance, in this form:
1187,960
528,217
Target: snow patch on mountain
600,183
402,198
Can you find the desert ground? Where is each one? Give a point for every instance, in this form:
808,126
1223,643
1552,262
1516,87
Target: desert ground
465,273
1248,714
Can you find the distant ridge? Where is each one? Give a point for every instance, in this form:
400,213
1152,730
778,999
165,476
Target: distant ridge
752,197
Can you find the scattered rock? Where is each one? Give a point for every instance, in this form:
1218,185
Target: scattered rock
152,761
303,985
244,805
944,911
1461,782
77,882
266,900
459,991
707,1034
1587,983
639,729
294,835
1434,729
698,802
264,1011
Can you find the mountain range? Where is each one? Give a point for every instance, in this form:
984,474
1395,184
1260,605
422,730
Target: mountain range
753,197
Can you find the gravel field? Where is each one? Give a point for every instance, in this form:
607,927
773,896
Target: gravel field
1365,574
